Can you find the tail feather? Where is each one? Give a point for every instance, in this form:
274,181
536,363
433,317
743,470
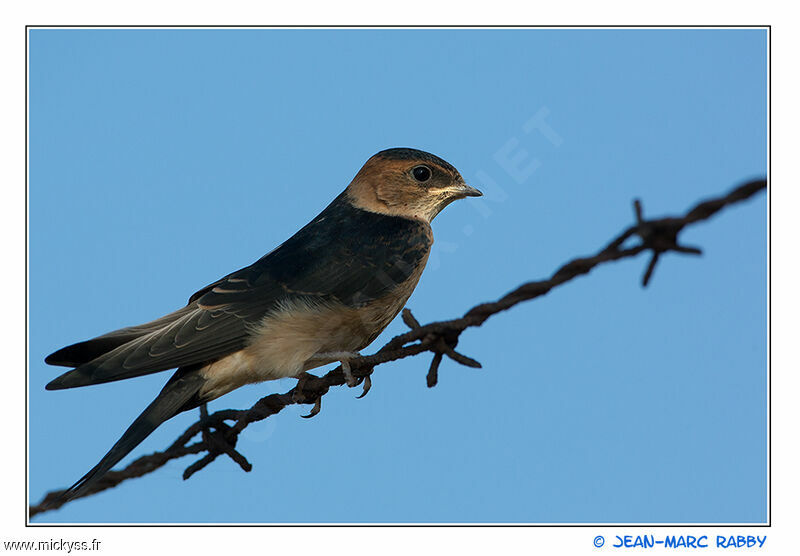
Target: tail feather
77,354
83,352
179,394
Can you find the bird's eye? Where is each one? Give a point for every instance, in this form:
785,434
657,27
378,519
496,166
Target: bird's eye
421,173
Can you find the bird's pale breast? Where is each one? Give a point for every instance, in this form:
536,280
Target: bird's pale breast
284,342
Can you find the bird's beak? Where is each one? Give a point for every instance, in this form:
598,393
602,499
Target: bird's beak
469,191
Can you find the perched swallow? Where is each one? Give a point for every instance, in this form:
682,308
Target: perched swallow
320,297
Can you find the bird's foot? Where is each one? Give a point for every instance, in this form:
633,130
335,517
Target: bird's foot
299,395
343,357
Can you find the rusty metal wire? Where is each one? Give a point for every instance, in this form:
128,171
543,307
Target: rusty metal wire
441,338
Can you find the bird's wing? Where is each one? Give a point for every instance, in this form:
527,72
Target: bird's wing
194,335
77,354
345,256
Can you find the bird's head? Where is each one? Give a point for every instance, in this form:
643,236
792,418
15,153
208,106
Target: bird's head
409,183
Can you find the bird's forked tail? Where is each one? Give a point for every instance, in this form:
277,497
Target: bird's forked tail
173,398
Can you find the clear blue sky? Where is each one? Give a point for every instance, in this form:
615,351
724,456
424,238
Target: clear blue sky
161,160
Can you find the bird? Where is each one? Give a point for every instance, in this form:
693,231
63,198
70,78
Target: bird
318,298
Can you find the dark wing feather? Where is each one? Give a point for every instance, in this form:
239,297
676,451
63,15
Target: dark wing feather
83,352
345,255
195,336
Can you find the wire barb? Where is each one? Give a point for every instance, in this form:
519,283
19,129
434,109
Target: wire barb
433,371
660,236
221,440
409,319
460,358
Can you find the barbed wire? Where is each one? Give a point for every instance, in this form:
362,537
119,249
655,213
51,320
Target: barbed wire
217,437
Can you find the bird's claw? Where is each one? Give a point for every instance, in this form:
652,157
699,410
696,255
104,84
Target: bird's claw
343,357
367,386
314,410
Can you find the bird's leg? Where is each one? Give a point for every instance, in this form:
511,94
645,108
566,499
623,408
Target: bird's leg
343,357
